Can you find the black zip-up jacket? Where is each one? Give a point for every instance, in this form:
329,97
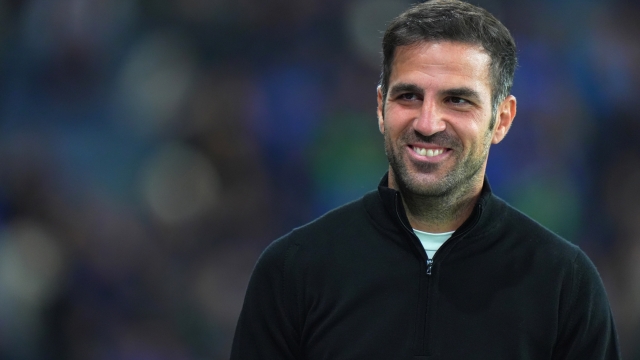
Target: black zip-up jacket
357,284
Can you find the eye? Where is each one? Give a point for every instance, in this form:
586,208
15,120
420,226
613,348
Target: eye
408,97
457,100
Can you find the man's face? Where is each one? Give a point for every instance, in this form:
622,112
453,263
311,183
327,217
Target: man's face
436,117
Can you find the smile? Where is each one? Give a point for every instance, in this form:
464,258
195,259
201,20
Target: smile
427,152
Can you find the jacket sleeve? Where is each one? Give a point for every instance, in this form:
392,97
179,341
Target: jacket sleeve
586,329
266,327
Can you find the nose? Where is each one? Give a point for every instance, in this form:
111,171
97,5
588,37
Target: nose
430,120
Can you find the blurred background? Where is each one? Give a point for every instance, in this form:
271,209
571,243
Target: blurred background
151,149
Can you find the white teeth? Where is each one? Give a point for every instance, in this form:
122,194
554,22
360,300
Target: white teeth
428,152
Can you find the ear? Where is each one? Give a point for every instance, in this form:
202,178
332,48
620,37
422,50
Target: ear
380,111
504,118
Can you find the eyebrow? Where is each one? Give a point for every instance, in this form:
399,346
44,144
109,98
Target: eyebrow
405,88
463,92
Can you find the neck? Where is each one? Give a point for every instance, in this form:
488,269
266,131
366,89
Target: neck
439,213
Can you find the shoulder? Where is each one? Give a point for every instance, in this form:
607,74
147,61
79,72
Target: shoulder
512,226
352,214
560,270
523,238
321,233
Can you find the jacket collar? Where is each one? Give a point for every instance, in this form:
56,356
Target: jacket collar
392,202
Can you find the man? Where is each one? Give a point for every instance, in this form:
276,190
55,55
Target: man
432,265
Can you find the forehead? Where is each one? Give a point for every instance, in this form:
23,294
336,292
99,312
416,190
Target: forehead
445,62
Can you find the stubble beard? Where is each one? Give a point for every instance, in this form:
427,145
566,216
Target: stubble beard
438,199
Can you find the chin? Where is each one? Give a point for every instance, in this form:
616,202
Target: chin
430,189
424,185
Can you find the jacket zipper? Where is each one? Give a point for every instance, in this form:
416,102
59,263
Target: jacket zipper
429,261
429,265
424,348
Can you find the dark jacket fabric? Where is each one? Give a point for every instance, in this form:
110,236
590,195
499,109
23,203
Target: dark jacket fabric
357,284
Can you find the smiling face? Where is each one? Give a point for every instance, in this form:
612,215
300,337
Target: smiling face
436,118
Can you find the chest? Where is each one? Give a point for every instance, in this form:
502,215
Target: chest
385,306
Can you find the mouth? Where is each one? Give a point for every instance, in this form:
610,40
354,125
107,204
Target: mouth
429,152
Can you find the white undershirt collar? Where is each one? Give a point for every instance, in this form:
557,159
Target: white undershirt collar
432,242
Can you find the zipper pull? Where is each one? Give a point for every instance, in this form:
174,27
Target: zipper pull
429,266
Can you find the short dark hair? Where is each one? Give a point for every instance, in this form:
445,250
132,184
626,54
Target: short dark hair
458,21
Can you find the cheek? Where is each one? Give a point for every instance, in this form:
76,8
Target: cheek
392,131
476,130
396,120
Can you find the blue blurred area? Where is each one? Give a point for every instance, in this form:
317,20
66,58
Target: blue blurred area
150,150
